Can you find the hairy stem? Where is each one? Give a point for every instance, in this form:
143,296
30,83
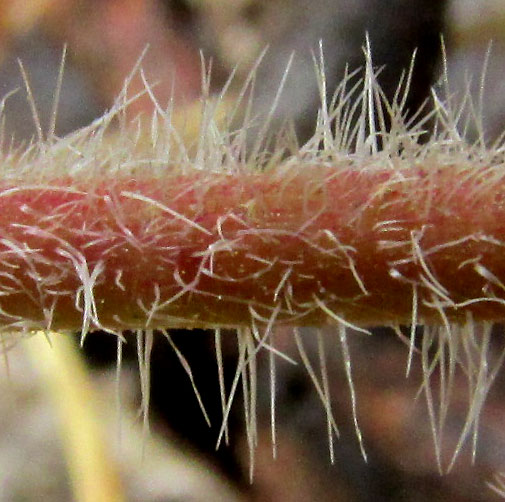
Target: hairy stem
304,244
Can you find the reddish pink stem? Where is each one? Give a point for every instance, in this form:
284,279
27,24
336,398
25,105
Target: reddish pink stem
296,245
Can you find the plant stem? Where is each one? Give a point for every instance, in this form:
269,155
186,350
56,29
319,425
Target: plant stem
297,244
